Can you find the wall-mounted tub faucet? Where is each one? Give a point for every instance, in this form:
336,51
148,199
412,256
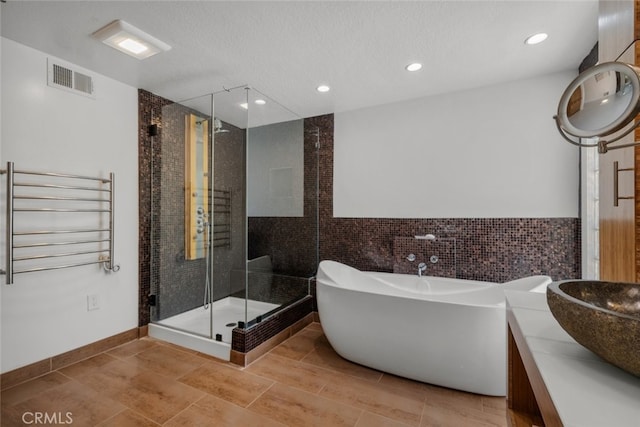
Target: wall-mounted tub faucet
422,267
425,237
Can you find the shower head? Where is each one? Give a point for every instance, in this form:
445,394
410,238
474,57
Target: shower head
217,126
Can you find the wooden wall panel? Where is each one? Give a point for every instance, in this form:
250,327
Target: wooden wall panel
637,155
617,29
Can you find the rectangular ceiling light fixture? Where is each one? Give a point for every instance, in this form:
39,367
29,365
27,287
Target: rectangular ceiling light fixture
130,40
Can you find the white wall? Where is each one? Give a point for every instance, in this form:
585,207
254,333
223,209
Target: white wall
492,152
47,129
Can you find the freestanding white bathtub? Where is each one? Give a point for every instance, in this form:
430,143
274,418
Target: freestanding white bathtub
447,332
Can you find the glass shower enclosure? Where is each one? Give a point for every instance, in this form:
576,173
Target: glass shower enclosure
234,216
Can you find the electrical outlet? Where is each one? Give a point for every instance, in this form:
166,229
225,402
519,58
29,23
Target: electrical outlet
92,302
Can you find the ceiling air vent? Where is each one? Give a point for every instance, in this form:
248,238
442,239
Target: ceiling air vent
64,77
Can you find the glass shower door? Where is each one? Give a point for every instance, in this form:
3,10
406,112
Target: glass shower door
234,212
182,207
281,222
264,157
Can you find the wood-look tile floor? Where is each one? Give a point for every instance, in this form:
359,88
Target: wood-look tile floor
300,383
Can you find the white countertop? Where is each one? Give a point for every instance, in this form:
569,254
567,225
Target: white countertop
585,390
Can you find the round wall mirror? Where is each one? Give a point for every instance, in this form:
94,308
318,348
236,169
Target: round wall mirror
599,102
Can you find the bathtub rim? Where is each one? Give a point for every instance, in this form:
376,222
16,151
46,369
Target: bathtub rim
325,279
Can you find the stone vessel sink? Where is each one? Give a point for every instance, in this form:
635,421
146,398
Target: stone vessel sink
602,316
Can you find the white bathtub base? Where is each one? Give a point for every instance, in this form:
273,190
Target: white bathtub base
450,354
219,349
455,340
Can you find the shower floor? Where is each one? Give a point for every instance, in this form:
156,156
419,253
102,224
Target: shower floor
226,314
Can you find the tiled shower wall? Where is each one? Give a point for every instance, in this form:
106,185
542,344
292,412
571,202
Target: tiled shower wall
492,249
168,270
149,108
179,283
161,227
291,242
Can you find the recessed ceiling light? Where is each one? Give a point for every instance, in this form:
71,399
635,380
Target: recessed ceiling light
245,105
131,40
260,101
413,67
536,38
323,88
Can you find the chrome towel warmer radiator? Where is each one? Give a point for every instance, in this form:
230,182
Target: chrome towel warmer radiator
50,194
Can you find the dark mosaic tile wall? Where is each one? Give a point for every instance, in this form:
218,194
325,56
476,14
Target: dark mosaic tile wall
438,255
492,249
156,195
495,250
164,272
180,282
149,108
228,168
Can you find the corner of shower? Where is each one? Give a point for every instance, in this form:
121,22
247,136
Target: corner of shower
230,187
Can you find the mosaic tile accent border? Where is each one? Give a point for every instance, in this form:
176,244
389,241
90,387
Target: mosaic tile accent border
495,250
245,340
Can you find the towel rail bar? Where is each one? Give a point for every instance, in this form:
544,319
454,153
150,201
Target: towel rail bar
59,187
58,210
50,198
35,232
60,175
57,267
9,231
65,199
30,257
44,244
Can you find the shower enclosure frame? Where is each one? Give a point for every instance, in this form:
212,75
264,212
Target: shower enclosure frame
205,342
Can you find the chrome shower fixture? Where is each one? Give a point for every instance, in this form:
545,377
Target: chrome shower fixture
217,126
425,237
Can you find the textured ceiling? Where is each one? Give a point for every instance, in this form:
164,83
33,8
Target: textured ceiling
286,49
